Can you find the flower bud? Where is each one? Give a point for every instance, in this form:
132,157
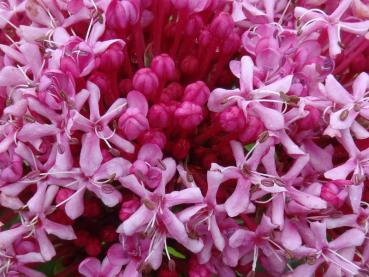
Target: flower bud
180,149
190,5
232,119
197,93
164,67
189,65
82,238
93,247
253,128
194,26
155,137
158,116
205,38
133,123
174,91
146,81
125,86
222,26
189,115
112,58
121,14
231,44
109,234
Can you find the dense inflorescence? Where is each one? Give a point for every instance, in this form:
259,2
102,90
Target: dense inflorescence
184,138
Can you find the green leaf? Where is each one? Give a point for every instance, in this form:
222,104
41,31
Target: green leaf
248,147
175,253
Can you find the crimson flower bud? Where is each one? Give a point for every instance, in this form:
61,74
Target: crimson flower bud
155,137
180,149
82,238
222,25
109,234
197,93
158,116
232,119
133,123
174,91
112,58
93,247
121,14
189,115
164,67
146,81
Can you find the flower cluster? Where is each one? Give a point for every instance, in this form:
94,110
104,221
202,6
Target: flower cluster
184,137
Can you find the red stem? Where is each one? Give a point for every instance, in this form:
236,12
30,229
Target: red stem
160,10
139,44
179,31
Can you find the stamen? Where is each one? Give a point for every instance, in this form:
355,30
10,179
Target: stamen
312,10
28,80
266,201
166,249
343,258
89,29
9,22
70,197
57,172
110,112
149,204
267,183
263,137
301,29
284,13
337,264
344,115
161,165
255,259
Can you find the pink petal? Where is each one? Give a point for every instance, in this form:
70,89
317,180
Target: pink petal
61,231
246,74
46,247
90,267
130,182
90,157
137,220
185,196
238,202
290,236
137,100
216,234
336,92
150,153
341,171
272,119
116,167
93,101
74,208
337,123
352,237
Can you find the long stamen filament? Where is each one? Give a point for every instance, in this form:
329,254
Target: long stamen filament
69,198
